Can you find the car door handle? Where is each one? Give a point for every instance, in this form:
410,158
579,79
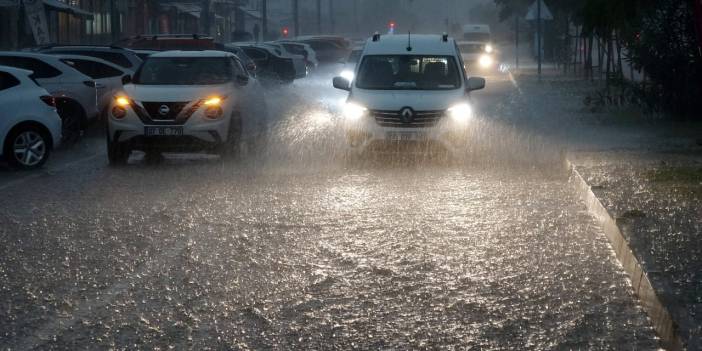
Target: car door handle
100,86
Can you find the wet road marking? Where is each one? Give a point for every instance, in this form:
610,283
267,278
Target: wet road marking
29,177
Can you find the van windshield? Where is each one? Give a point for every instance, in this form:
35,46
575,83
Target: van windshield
475,36
184,71
471,48
408,72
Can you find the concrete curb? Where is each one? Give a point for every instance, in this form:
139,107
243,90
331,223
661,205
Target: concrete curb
663,323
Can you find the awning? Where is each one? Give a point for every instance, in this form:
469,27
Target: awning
255,14
8,3
63,7
190,9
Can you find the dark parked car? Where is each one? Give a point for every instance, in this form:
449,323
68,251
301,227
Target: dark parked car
328,50
163,42
303,50
271,66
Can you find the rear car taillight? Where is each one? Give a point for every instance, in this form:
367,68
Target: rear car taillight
49,100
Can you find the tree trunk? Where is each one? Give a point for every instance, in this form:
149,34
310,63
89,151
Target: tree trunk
591,70
566,46
576,50
609,59
619,56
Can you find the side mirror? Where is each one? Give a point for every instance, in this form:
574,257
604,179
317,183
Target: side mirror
475,83
126,79
251,67
342,83
242,79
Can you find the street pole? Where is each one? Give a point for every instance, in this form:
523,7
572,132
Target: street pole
296,17
332,23
264,19
319,16
538,32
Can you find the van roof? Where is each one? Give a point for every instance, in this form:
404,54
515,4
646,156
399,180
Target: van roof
422,44
476,28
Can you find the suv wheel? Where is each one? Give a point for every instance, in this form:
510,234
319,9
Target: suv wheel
117,153
232,147
27,147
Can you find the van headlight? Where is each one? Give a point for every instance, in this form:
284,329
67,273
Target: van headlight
485,61
353,111
461,112
348,75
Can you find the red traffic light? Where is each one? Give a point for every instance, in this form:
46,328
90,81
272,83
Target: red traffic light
391,24
286,32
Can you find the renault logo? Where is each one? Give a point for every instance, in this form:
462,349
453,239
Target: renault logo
407,115
163,110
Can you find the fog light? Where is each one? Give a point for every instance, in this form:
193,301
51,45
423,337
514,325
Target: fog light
119,112
214,112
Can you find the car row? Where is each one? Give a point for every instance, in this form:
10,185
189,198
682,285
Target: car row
30,127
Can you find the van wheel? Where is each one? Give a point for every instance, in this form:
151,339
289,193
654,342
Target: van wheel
27,147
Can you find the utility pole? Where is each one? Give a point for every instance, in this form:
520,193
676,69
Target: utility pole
332,23
114,21
296,17
205,17
355,17
538,31
319,16
264,19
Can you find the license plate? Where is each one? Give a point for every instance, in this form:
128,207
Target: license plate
405,136
163,131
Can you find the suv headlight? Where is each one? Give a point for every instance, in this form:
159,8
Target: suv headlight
119,110
353,111
461,112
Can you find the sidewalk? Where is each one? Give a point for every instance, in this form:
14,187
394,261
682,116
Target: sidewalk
647,172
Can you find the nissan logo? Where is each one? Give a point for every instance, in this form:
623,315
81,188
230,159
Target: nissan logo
164,110
407,115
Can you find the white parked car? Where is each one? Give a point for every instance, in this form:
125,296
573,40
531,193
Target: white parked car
408,90
184,101
127,59
75,93
29,125
108,77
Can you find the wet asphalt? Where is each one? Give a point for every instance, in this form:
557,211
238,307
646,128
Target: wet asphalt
301,249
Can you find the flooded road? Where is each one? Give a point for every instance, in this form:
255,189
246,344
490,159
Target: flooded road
301,250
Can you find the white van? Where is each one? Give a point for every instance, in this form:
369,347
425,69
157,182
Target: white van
408,89
477,48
